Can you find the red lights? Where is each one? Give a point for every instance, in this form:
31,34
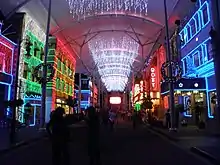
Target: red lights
115,100
154,78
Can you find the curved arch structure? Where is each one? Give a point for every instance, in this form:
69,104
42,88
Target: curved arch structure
116,15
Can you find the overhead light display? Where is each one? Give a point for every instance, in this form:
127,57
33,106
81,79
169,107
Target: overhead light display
114,58
84,8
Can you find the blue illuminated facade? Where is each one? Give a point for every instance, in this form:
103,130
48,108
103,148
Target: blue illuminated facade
85,98
196,50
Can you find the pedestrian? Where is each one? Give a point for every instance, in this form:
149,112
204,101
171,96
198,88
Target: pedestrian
112,116
58,131
93,136
168,119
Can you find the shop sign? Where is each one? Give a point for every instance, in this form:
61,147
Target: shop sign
153,78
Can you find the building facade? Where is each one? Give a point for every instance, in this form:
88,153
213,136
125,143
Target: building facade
59,89
62,85
197,59
8,55
31,55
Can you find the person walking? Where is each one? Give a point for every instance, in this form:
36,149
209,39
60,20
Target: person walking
93,136
58,131
168,119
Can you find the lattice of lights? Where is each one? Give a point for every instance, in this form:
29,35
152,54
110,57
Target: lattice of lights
114,58
85,8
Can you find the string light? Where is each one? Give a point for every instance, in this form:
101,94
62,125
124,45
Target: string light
84,8
114,58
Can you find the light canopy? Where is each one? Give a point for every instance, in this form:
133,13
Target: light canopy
84,8
114,58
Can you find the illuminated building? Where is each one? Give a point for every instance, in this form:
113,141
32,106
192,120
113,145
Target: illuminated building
196,51
62,86
31,55
198,84
152,78
7,70
86,90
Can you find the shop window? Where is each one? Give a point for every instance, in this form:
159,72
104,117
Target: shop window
213,102
188,105
196,59
25,72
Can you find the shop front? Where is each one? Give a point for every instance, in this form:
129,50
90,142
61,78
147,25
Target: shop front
189,93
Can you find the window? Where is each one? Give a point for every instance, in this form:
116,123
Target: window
25,72
57,83
205,17
209,50
196,59
188,33
197,22
201,56
62,85
193,26
58,64
33,78
67,88
41,54
185,65
183,42
2,62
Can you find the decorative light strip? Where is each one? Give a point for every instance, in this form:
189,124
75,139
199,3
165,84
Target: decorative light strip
197,22
84,8
33,27
114,58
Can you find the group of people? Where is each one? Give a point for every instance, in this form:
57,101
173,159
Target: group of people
59,133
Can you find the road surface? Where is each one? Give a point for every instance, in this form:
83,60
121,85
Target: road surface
124,146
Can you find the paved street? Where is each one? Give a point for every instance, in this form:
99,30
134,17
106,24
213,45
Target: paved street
122,147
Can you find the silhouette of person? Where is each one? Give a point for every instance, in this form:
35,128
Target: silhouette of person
58,131
93,136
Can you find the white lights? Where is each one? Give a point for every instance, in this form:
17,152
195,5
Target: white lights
115,100
196,85
114,58
84,8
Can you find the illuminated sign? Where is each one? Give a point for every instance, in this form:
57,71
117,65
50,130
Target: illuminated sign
153,76
115,100
138,92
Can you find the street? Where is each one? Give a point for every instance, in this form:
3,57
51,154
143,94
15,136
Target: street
124,146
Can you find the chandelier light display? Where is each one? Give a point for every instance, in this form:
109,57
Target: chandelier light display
114,58
84,8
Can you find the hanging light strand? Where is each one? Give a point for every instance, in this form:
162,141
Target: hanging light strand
84,8
114,58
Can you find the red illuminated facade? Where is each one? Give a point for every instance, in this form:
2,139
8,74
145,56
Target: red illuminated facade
8,55
152,77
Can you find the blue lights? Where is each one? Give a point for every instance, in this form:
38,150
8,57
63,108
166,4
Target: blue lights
197,22
199,61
